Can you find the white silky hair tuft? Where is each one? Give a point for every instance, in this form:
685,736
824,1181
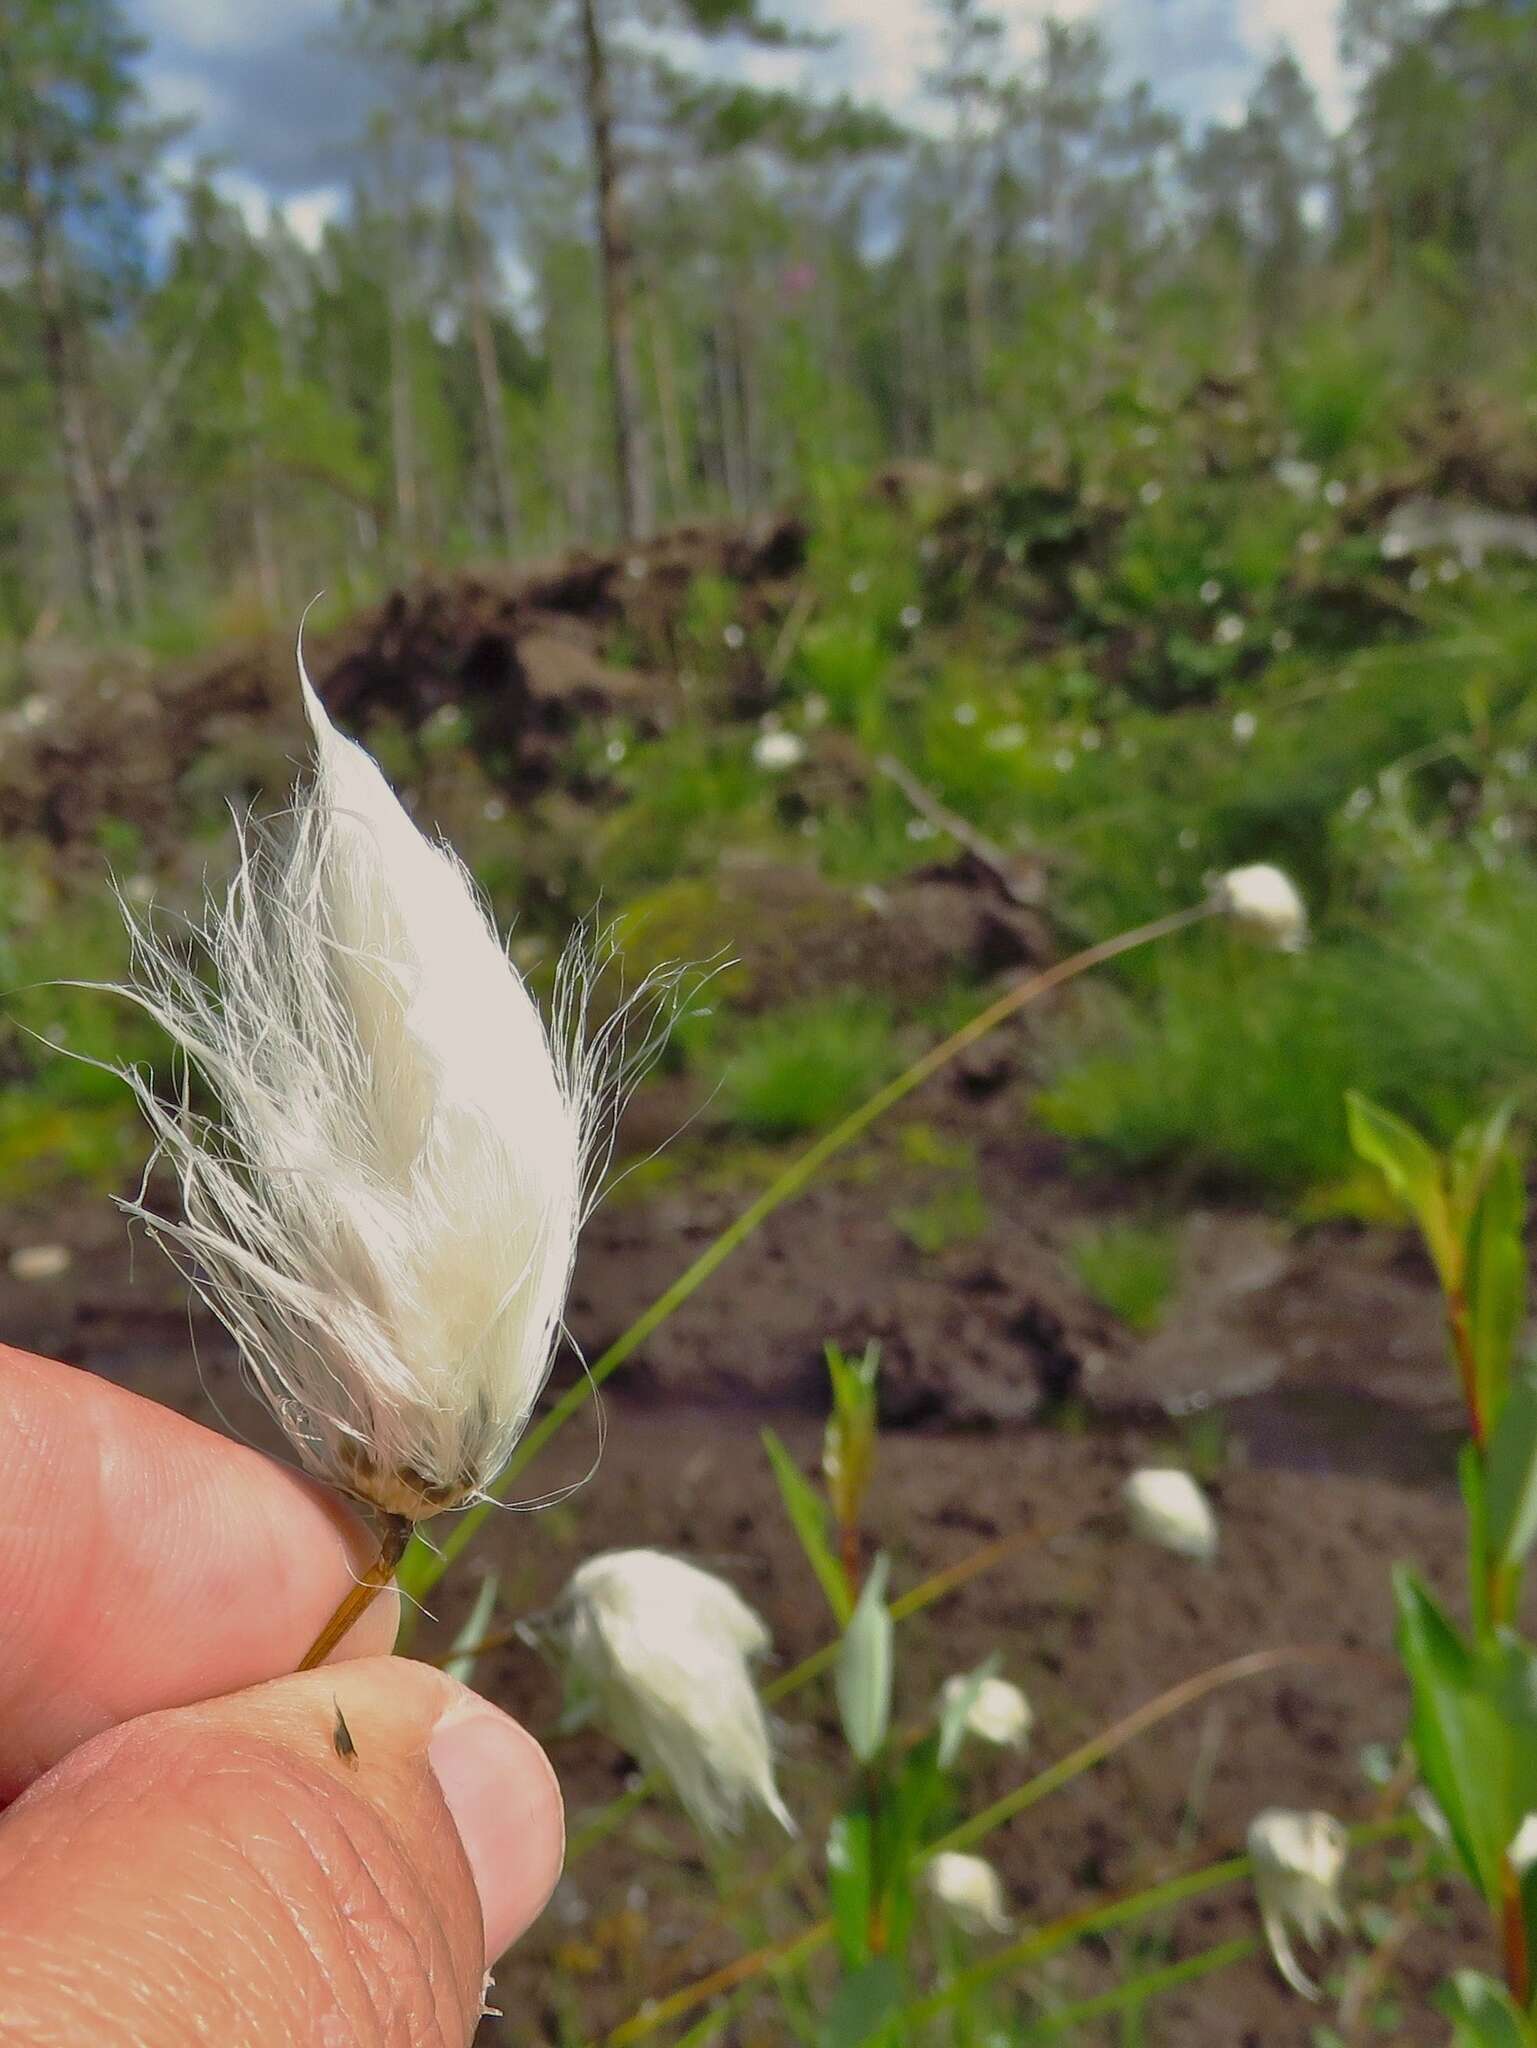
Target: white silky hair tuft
664,1651
385,1213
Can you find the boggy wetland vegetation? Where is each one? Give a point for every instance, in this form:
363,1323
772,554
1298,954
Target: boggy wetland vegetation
928,618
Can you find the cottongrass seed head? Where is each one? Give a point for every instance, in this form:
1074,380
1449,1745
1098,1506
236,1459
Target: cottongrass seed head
998,1712
1264,901
665,1651
1166,1507
968,1892
1299,1865
385,1211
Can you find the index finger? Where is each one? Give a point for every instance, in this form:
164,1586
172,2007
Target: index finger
146,1562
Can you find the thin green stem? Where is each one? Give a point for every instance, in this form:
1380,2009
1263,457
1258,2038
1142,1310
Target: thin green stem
1135,1992
424,1566
1257,1664
1088,1754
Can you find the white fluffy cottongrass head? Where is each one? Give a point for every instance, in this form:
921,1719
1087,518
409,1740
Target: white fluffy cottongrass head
1166,1507
1299,1864
665,1650
384,1212
968,1892
1523,1845
778,751
1264,901
998,1713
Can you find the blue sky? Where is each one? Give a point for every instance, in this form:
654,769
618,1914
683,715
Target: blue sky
273,93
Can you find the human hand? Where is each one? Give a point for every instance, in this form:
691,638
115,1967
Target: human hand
190,1857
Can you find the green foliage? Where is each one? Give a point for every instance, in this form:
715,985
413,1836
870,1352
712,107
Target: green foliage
864,1670
1483,2014
810,1519
956,1213
792,1071
1132,1268
65,1116
1207,1070
849,1440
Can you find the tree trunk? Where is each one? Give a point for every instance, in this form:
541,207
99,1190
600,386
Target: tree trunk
483,342
669,410
269,579
402,428
631,456
87,501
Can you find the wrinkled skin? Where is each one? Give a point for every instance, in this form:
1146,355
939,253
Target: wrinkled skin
188,1853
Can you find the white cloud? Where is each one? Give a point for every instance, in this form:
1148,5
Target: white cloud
1311,27
309,214
175,93
220,27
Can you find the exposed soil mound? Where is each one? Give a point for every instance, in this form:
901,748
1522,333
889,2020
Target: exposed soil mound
522,658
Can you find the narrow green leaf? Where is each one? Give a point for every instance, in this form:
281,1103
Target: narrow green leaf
862,1679
864,2004
808,1517
1410,1167
1471,1479
1510,1481
1460,1735
477,1626
1474,1155
850,1882
1483,2014
1495,1277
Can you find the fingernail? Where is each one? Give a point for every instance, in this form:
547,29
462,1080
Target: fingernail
502,1796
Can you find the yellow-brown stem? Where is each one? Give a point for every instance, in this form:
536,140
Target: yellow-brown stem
1518,1968
1460,1328
850,1546
392,1548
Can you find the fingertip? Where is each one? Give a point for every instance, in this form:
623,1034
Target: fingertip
503,1798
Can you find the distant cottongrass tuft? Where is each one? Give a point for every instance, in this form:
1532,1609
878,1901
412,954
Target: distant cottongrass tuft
968,1893
1264,901
998,1712
778,751
1166,1507
385,1214
1299,1863
664,1651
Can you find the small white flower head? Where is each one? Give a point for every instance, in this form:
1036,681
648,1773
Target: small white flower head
999,1712
1229,630
1299,1863
968,1892
664,1651
1523,1847
777,751
1166,1507
40,1262
385,1213
1264,902
1245,726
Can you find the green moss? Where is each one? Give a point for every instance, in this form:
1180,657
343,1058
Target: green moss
796,1071
1131,1268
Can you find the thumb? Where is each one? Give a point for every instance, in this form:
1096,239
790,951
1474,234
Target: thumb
242,1872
